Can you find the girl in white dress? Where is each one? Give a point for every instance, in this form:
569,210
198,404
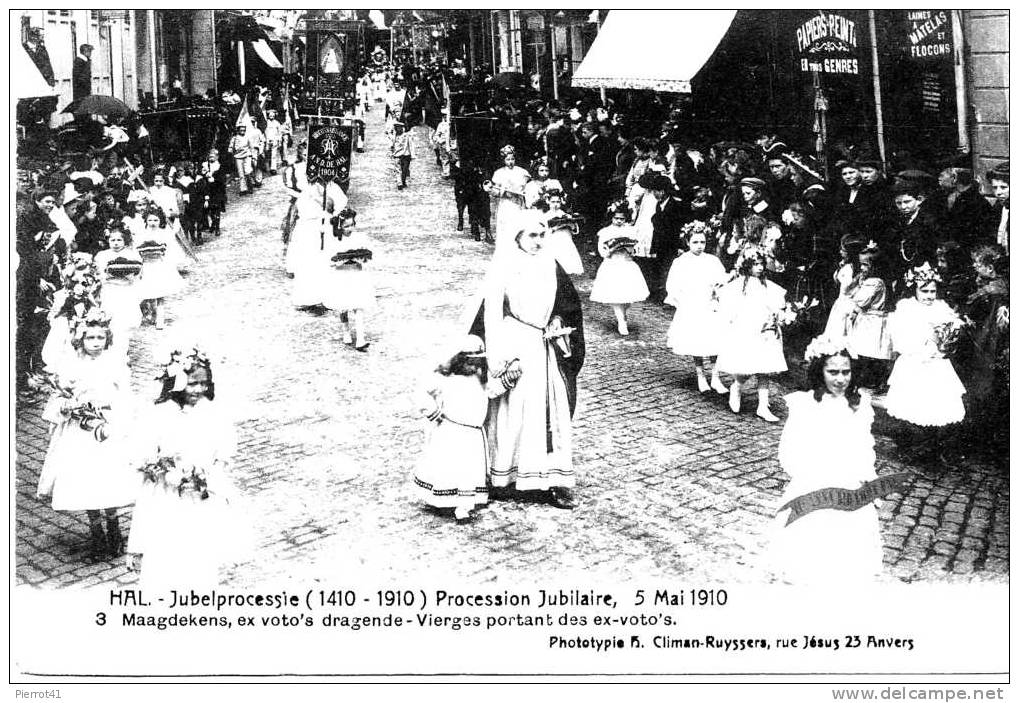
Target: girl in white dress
536,188
119,269
313,232
160,277
867,323
751,345
619,282
80,293
562,227
348,287
186,521
923,388
692,286
507,187
453,469
846,278
87,466
827,443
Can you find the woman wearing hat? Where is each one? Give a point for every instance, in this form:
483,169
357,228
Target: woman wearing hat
507,188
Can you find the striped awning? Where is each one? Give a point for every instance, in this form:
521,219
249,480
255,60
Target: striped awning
659,50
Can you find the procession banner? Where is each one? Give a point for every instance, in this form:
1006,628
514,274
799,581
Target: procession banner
329,148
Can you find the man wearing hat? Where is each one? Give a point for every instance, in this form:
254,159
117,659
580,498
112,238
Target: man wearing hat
81,72
915,238
783,186
442,142
402,149
666,224
999,178
753,190
965,214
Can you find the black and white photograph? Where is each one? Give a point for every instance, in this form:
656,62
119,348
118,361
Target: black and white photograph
512,345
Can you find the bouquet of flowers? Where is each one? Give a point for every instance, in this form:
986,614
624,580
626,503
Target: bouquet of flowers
151,250
88,414
947,335
789,315
165,470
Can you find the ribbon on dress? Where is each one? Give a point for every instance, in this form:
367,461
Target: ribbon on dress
847,499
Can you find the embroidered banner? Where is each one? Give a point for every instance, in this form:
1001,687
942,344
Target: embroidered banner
847,499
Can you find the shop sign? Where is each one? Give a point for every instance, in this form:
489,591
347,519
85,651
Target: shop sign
828,43
329,153
928,34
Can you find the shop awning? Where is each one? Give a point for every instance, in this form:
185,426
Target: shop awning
29,82
261,48
658,50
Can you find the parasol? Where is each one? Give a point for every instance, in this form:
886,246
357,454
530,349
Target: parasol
105,105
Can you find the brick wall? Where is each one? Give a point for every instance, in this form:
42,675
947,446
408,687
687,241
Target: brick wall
987,52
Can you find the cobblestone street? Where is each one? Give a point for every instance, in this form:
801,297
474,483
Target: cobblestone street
670,483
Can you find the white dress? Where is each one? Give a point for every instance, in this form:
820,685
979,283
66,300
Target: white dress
826,444
644,204
696,328
307,257
559,242
508,209
619,280
184,539
530,424
751,343
923,388
838,317
120,298
453,469
347,286
79,472
160,276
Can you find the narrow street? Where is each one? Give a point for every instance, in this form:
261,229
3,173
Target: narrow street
671,484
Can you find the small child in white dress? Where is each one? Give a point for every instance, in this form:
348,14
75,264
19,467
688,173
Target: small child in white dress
160,277
453,469
692,287
187,522
923,388
87,465
348,287
750,307
561,229
619,282
827,529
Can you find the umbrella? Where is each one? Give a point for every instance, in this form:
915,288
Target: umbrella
509,79
104,105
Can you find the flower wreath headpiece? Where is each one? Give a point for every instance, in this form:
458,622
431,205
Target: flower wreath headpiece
922,275
825,346
182,361
507,150
94,317
695,226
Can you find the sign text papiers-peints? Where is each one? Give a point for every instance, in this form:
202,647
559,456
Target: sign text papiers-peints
828,43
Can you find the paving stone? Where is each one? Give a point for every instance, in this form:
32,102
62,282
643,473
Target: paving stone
671,483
